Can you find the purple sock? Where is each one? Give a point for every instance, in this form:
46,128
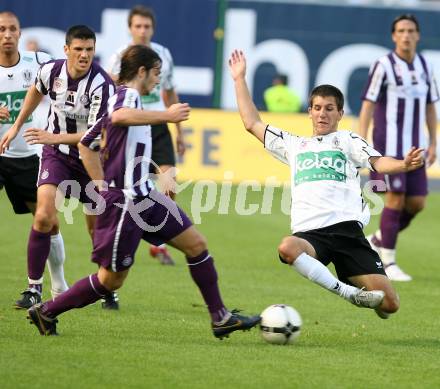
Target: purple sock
205,276
38,251
389,227
82,293
405,219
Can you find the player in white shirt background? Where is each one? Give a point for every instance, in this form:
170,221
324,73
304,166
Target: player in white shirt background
328,211
19,164
401,93
141,24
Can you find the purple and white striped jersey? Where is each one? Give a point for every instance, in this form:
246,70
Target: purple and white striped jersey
401,91
125,151
75,105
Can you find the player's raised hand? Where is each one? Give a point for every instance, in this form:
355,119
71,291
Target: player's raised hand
414,159
178,112
237,64
4,114
36,136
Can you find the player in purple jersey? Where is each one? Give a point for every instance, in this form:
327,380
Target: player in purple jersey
134,209
78,90
142,24
19,165
400,93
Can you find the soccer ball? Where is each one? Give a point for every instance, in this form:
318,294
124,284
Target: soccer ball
280,324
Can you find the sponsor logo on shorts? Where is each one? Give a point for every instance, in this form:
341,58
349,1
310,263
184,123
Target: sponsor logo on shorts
397,183
127,261
45,174
323,165
379,265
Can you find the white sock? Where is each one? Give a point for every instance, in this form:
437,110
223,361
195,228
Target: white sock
55,264
315,271
378,235
388,256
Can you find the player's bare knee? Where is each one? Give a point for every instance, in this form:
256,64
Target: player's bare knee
289,249
195,246
111,281
44,221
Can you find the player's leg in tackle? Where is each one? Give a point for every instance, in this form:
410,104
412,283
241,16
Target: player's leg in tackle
111,300
390,303
84,292
204,275
301,255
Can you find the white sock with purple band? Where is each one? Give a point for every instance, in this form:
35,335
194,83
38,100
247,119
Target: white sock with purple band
315,271
55,264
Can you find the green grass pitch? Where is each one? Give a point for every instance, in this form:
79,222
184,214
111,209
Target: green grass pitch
161,336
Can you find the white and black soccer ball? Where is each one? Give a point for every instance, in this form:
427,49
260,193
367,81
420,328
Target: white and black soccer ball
280,324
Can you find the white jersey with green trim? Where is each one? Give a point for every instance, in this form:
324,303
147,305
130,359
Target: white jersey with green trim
154,100
14,83
325,181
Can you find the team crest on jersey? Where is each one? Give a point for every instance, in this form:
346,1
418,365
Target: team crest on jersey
58,85
323,165
398,72
27,75
84,99
45,174
303,144
336,143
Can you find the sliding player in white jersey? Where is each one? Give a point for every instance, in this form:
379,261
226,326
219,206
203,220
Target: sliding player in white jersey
328,211
19,164
78,90
401,93
141,23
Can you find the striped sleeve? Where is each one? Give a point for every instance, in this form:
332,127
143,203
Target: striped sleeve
127,98
42,79
278,143
376,79
92,137
361,151
99,100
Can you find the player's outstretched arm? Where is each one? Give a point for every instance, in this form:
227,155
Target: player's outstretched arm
37,136
136,117
31,101
389,165
248,112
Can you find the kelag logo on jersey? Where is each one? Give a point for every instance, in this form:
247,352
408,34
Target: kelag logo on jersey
13,101
152,97
323,165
